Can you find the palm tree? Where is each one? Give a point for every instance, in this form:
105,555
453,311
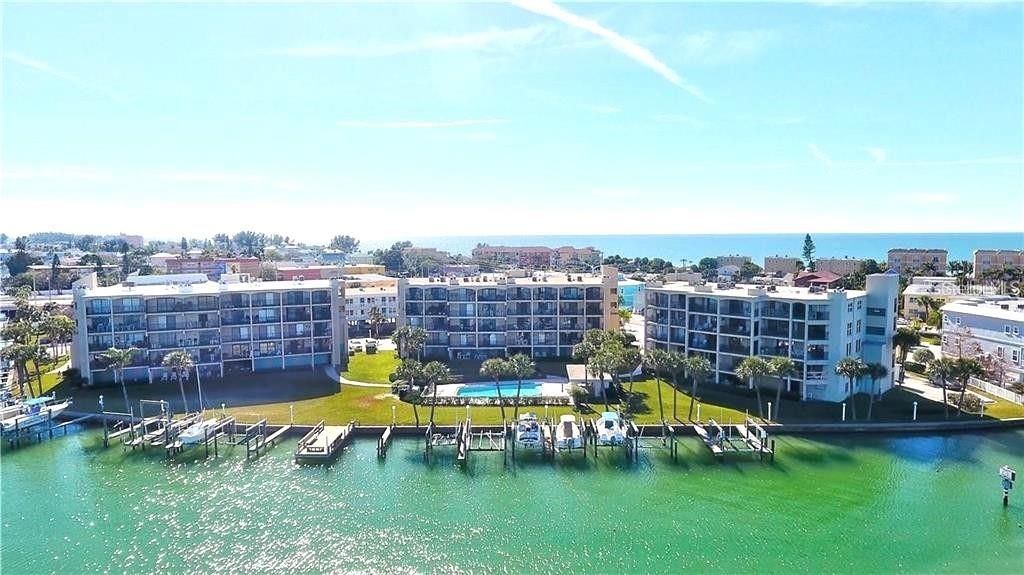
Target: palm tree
699,368
943,369
631,358
658,361
929,304
609,359
753,369
401,339
496,368
924,356
435,373
852,368
19,354
118,359
964,368
415,340
414,397
583,351
374,318
519,367
875,371
179,362
782,368
624,315
38,355
904,339
676,366
411,371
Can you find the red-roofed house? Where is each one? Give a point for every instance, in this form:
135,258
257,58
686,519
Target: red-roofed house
823,279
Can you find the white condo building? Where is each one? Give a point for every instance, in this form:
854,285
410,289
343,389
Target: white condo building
812,326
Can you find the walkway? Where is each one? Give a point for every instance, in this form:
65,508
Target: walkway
335,376
917,384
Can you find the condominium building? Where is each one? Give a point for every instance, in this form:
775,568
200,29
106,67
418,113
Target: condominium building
360,303
814,327
732,260
539,257
231,326
992,260
838,266
213,267
941,290
913,260
781,265
987,326
542,314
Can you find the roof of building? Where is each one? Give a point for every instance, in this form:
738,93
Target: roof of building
747,291
204,288
989,308
538,279
818,277
376,290
947,289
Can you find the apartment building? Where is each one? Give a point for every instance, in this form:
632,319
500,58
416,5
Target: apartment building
781,265
992,260
838,266
987,326
913,260
325,272
213,267
542,314
359,301
539,257
228,327
814,327
941,289
732,260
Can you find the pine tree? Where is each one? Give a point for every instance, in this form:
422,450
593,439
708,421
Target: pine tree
809,252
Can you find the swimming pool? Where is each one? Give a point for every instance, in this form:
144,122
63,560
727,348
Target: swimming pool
508,389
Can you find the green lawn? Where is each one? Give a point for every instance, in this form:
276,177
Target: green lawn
371,368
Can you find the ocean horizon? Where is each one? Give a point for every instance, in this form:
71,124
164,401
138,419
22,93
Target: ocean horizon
692,247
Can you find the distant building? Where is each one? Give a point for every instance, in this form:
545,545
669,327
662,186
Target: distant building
732,260
325,272
359,259
817,279
988,260
994,326
539,257
728,272
838,266
429,253
158,261
460,270
213,267
913,260
942,289
781,265
359,303
331,256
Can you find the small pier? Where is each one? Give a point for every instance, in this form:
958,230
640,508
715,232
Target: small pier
384,441
224,426
323,442
713,439
746,437
644,437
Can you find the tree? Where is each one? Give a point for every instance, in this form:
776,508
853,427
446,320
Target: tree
346,244
184,244
19,355
435,373
658,362
852,368
924,356
19,261
809,252
930,305
251,243
222,241
179,362
54,272
875,371
708,267
374,319
753,369
411,371
414,397
964,368
583,351
605,360
408,339
943,369
496,368
117,359
624,314
782,368
748,270
904,339
393,258
698,368
519,367
58,327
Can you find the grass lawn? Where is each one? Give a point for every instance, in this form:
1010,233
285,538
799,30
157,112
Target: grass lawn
930,339
371,368
50,380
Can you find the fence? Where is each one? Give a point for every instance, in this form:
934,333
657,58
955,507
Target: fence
1000,392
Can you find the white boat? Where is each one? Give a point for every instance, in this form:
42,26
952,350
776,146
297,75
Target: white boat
197,432
610,430
33,412
567,434
528,431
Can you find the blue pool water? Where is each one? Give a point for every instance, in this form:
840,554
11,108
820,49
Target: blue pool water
508,389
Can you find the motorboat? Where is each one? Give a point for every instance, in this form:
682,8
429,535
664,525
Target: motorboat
610,430
197,432
528,431
33,412
567,434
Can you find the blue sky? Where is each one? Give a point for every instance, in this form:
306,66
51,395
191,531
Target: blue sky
385,121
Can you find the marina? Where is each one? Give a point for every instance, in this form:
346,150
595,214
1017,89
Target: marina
356,514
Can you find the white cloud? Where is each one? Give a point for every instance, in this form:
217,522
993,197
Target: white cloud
820,155
418,124
624,45
709,48
879,155
55,72
490,39
603,109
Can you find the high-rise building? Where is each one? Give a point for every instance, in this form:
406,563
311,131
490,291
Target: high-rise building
986,261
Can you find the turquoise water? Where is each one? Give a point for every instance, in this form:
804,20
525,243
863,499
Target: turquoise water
695,246
508,389
921,504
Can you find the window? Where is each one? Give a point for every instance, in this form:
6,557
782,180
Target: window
958,321
1015,356
858,346
849,328
1006,329
999,351
860,304
859,325
849,351
876,311
1016,331
849,307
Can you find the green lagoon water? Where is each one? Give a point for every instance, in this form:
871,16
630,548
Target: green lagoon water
851,504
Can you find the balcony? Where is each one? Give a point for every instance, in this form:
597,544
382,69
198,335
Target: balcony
817,353
735,308
735,327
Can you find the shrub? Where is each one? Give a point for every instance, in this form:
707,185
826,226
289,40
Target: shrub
914,367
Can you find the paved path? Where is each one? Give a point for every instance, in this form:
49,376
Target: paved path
917,384
334,375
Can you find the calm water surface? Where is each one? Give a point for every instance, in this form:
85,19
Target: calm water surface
913,504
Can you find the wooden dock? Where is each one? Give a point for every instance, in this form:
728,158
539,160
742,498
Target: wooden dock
713,443
323,442
384,442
